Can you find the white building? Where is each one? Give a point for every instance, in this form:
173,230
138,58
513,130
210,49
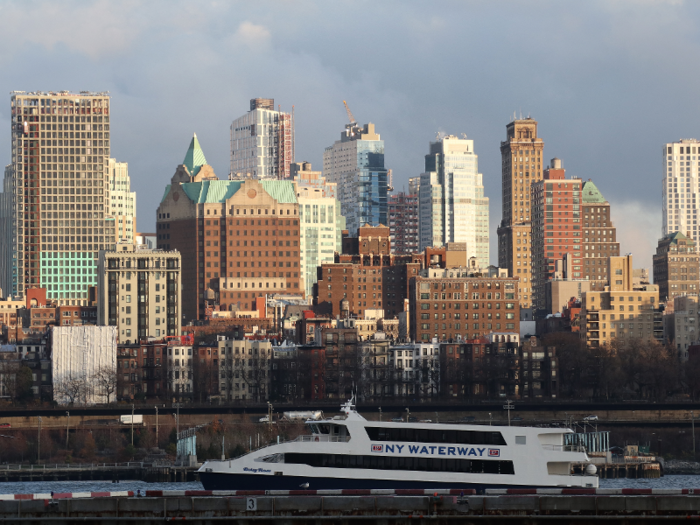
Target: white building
681,187
139,291
122,201
83,359
321,224
244,369
262,142
180,371
455,210
416,370
681,324
356,164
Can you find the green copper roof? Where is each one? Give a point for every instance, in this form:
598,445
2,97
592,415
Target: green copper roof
591,194
194,159
167,191
678,236
211,191
280,190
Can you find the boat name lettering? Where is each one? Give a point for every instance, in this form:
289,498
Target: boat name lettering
246,469
437,449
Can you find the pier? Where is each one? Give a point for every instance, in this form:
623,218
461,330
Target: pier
133,470
384,507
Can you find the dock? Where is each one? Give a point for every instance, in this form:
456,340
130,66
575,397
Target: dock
385,507
133,470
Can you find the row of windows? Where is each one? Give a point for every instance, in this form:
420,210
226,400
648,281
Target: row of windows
424,435
477,466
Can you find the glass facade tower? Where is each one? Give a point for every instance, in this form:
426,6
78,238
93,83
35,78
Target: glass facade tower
356,164
452,204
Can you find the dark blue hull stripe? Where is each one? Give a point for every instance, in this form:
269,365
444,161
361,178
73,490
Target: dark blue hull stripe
219,481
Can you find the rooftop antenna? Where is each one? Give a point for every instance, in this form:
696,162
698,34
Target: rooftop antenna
521,113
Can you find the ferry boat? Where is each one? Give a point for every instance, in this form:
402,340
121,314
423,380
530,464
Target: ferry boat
349,452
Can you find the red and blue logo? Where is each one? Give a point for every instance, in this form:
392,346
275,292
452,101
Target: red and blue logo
377,448
494,452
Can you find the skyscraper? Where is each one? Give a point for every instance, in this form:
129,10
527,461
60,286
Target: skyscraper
56,204
262,142
452,203
320,223
122,201
356,164
681,188
521,165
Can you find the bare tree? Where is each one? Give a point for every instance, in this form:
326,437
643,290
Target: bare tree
254,371
105,381
75,390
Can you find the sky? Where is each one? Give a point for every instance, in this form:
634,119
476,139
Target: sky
609,82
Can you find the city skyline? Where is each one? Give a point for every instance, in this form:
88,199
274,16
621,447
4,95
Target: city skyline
583,89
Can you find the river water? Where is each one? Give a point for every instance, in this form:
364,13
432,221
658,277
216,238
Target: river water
34,487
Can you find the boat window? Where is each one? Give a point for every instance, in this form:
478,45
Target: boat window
324,429
476,466
422,435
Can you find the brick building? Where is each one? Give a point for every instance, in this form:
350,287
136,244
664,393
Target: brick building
447,304
366,275
572,234
142,371
239,239
403,223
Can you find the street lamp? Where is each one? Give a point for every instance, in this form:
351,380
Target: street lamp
132,424
157,426
38,450
408,413
380,413
692,422
490,419
67,427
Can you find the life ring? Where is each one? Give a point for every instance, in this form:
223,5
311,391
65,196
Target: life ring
316,438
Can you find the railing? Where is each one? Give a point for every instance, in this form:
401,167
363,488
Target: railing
318,438
565,448
74,466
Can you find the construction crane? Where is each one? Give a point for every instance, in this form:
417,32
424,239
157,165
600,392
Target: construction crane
350,115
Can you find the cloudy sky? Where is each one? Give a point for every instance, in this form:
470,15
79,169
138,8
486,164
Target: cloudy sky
609,82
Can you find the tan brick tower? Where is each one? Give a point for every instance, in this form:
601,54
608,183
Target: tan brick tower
521,165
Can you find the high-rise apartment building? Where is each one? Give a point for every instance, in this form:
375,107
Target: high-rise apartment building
681,187
621,311
521,165
676,266
320,223
572,234
430,224
262,142
139,292
556,227
56,204
239,239
403,223
599,236
122,201
452,203
356,164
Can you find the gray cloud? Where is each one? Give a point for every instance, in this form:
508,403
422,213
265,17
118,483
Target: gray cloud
609,82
